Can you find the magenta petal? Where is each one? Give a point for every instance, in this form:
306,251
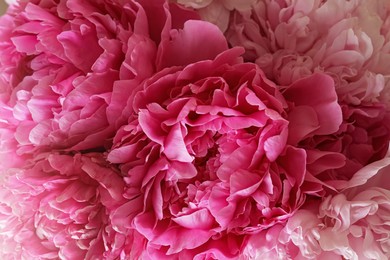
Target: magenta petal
26,44
181,170
239,159
178,238
39,13
275,145
244,183
41,107
174,146
220,208
320,161
39,134
371,175
122,154
122,217
208,43
106,177
302,122
200,219
81,50
293,162
317,91
150,124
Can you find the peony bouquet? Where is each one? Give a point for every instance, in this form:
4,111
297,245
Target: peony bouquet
195,129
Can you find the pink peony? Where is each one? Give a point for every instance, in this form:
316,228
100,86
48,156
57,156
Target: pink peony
130,130
207,155
68,68
57,206
290,40
348,40
353,224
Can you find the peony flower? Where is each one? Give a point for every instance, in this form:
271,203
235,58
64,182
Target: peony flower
291,40
342,230
348,40
68,69
57,207
217,11
207,154
353,224
130,130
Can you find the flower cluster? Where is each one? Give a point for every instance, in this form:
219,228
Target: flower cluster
138,129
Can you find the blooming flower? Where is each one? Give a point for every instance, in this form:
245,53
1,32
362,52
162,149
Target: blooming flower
69,68
208,150
57,206
293,39
346,39
352,224
129,129
348,225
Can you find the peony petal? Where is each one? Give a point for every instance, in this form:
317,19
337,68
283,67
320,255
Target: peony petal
206,46
200,219
370,175
243,183
174,145
293,162
179,238
302,122
81,49
318,92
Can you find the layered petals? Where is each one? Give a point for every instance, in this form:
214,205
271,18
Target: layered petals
209,153
69,69
57,207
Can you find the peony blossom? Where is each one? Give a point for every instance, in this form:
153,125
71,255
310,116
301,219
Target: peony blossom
57,207
68,68
353,224
348,40
132,129
209,154
291,40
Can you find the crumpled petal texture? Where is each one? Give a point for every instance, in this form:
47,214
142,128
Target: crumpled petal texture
132,129
353,224
208,158
68,68
348,40
57,206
